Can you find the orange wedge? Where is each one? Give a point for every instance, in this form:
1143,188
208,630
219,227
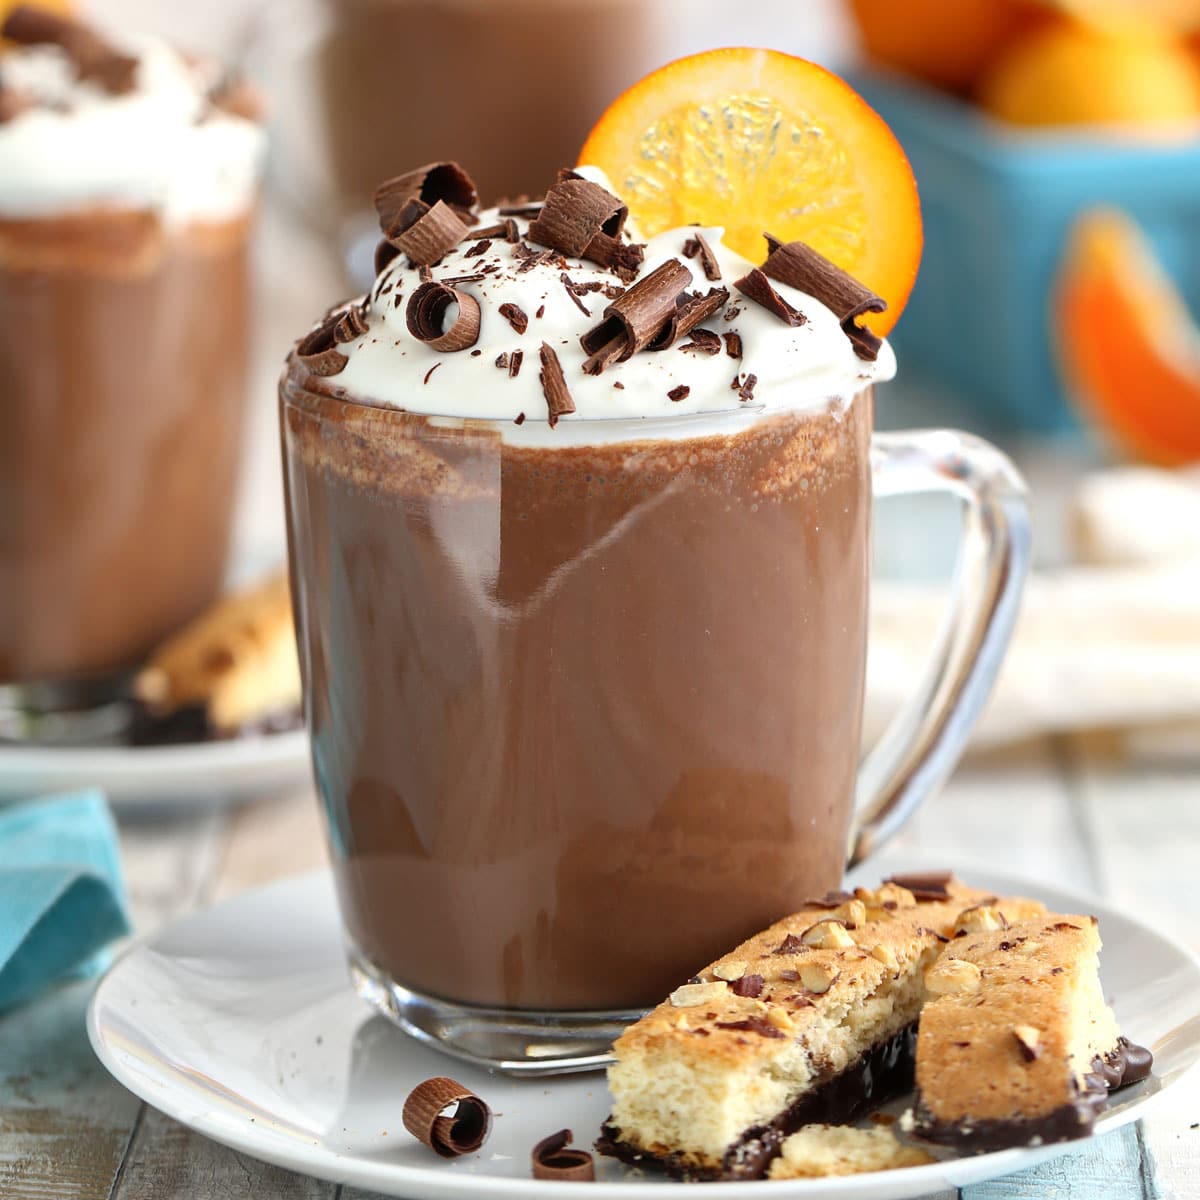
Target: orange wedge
1130,348
759,141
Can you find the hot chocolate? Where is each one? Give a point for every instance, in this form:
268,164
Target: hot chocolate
481,75
125,205
584,692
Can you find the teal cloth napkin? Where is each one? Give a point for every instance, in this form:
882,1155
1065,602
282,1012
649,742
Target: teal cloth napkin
62,899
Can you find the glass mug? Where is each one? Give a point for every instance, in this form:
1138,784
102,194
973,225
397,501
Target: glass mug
585,704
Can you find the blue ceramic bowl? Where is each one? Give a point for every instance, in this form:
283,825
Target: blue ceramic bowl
999,204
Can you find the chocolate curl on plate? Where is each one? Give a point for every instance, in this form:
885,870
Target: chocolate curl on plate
426,314
636,318
758,288
801,267
94,58
558,395
318,350
552,1158
444,181
449,1136
689,312
584,220
426,234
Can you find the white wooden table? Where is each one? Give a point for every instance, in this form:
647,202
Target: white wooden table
1057,812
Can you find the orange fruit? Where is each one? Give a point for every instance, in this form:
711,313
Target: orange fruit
944,42
1070,73
1167,14
1130,349
758,141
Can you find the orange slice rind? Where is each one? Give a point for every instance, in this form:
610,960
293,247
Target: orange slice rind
757,141
1130,348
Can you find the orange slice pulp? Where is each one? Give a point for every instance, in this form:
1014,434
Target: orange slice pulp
758,141
1129,346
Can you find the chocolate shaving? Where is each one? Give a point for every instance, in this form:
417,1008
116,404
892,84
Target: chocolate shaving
748,985
535,259
624,259
317,349
519,419
480,247
634,319
682,392
733,344
431,235
690,310
574,294
511,232
93,57
757,287
553,1158
744,386
790,945
514,363
703,341
554,385
754,1024
515,316
464,1132
829,900
497,230
434,183
541,312
502,360
519,210
924,885
478,277
426,312
801,267
429,373
708,260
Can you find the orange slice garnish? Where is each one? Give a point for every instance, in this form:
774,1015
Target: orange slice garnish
759,141
1129,345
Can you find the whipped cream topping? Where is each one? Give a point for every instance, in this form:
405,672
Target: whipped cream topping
793,367
162,146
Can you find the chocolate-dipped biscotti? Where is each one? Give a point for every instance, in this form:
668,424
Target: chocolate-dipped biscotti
1017,1045
995,1003
813,1020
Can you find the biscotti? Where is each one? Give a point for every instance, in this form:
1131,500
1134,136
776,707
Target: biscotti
813,1020
1017,1045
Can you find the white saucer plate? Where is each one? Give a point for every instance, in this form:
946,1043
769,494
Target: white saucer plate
156,778
240,1022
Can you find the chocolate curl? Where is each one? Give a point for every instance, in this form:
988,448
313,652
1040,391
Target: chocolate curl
445,181
552,1159
94,58
558,397
317,351
634,319
429,234
801,267
758,288
703,341
448,1136
708,260
426,312
584,220
689,312
352,325
385,253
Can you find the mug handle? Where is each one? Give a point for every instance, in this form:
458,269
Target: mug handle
927,736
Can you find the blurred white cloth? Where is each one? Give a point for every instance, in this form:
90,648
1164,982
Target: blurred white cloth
1110,644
